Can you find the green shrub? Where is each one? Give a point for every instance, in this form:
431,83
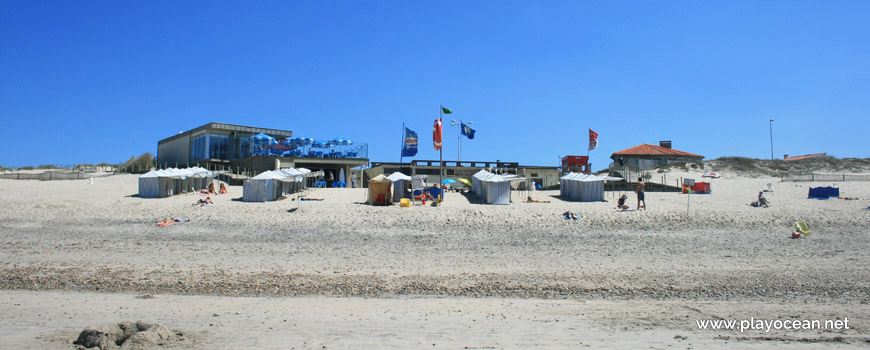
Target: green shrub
139,165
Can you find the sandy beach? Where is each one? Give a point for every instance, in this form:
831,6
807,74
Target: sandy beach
347,275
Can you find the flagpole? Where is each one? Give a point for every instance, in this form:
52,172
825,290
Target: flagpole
402,149
459,137
441,152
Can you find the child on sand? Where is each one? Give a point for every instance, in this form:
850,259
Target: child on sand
621,203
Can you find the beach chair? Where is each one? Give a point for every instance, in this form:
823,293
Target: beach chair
802,228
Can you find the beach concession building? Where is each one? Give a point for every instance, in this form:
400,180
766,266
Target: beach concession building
236,149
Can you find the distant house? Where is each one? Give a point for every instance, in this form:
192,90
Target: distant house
645,156
805,156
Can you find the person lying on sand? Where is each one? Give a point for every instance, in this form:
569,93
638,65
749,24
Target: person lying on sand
165,222
569,215
529,199
223,189
310,199
621,203
203,202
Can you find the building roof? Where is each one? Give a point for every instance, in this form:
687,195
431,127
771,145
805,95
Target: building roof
653,150
232,127
807,156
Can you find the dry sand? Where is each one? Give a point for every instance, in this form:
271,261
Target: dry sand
616,279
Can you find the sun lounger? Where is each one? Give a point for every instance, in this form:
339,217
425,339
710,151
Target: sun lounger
802,228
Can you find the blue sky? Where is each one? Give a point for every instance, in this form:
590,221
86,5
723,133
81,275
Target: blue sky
94,81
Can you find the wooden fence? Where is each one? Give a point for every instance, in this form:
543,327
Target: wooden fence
50,175
824,177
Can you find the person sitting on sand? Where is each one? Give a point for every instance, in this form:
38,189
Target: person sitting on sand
621,203
569,215
223,189
529,199
211,189
762,201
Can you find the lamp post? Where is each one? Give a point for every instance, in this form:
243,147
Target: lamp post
771,139
459,137
560,163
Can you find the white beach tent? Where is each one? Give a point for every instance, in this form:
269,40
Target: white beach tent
492,188
584,187
149,185
498,190
261,188
477,184
399,180
293,182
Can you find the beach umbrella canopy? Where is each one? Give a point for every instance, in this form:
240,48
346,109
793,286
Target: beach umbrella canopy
448,181
341,175
465,181
303,141
712,175
321,144
263,138
341,141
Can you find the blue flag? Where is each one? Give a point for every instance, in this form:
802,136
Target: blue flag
469,132
410,147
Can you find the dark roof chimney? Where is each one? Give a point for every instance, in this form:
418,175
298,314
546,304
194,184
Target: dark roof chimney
665,144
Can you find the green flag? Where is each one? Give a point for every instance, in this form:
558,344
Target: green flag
446,110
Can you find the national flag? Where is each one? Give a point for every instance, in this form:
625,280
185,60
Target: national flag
436,134
410,147
593,139
467,131
446,110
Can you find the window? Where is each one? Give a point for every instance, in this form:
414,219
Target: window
218,146
198,147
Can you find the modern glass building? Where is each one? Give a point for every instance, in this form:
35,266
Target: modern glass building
211,143
230,147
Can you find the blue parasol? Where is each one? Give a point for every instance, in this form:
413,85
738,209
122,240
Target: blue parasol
304,141
263,138
321,144
341,141
448,181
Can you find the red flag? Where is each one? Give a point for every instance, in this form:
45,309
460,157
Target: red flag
436,134
593,139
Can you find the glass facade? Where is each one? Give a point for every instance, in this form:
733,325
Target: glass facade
210,146
218,146
243,148
198,147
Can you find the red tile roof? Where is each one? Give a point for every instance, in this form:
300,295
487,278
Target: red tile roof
807,156
653,150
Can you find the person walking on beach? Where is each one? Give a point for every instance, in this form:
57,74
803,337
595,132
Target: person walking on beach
639,190
353,181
